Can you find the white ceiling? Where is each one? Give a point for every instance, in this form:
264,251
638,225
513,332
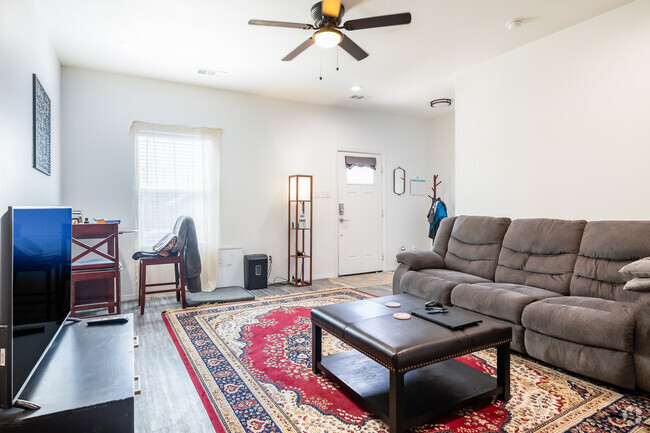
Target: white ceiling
407,66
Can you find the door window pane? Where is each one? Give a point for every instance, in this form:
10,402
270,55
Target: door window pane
360,176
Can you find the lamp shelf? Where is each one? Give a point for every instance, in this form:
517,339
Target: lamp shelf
300,203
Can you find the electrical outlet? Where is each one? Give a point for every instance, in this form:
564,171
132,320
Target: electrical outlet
270,258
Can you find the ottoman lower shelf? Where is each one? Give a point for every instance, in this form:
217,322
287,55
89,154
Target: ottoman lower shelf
429,391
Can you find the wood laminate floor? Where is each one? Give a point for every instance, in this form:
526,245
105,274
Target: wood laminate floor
169,402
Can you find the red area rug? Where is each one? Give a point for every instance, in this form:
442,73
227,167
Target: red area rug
251,364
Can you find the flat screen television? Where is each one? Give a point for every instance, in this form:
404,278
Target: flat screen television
34,290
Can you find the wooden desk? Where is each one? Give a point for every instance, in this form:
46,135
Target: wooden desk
84,384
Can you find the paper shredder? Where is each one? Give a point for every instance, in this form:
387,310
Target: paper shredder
255,271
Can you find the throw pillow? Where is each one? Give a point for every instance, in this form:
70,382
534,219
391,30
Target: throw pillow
640,268
638,285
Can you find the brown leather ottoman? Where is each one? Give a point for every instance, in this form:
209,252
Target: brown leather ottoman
403,371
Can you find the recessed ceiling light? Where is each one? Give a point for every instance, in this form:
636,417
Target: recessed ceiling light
356,88
514,24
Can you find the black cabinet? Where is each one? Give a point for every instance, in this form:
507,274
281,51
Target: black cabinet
84,383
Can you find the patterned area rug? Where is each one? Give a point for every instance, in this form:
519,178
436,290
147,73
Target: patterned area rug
251,364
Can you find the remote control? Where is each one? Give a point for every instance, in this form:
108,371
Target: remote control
107,320
438,310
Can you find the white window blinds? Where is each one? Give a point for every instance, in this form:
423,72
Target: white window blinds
177,172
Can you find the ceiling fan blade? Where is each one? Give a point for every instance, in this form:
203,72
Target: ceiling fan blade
380,21
280,24
331,8
353,49
299,49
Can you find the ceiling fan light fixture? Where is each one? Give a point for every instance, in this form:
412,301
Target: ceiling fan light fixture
327,37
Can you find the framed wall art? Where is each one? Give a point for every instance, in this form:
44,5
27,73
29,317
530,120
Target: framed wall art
42,118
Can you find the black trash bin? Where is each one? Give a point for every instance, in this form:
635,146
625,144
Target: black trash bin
255,271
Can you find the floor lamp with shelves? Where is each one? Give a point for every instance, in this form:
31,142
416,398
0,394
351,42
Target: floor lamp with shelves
301,191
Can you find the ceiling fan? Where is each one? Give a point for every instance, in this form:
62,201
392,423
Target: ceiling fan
327,15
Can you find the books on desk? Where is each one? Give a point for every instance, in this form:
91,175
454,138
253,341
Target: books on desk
105,221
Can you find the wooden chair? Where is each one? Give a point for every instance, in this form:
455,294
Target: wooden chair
95,271
179,281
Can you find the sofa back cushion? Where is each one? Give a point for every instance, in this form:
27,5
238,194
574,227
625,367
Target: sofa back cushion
540,252
475,243
606,247
441,240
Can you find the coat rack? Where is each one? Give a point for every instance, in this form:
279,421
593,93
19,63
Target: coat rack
435,185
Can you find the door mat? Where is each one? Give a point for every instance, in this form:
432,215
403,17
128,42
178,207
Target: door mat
251,364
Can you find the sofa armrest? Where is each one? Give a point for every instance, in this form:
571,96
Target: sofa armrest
642,343
421,259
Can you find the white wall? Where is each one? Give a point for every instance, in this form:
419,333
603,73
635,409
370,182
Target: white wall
264,141
25,50
560,127
442,136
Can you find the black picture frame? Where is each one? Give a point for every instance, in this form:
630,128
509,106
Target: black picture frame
42,127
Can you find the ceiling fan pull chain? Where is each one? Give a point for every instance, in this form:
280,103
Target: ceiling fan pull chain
321,66
337,57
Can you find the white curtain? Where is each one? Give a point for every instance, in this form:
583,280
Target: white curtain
177,173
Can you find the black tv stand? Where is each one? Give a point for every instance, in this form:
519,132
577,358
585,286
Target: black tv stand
83,384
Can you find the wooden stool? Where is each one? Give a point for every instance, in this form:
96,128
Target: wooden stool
95,271
179,281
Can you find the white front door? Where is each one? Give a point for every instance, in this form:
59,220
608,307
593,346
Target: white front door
361,236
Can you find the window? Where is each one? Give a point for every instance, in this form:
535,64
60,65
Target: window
360,176
360,170
177,174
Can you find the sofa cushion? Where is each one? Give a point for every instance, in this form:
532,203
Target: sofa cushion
638,285
611,366
589,321
475,243
499,300
435,284
606,247
540,252
441,241
639,269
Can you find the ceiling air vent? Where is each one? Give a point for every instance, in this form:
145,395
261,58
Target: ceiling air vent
357,97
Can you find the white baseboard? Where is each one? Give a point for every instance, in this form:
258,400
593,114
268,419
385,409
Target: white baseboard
323,276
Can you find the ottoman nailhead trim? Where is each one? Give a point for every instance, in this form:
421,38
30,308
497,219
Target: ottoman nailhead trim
444,358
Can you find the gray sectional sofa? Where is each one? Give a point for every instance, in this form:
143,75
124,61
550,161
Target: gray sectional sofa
555,282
